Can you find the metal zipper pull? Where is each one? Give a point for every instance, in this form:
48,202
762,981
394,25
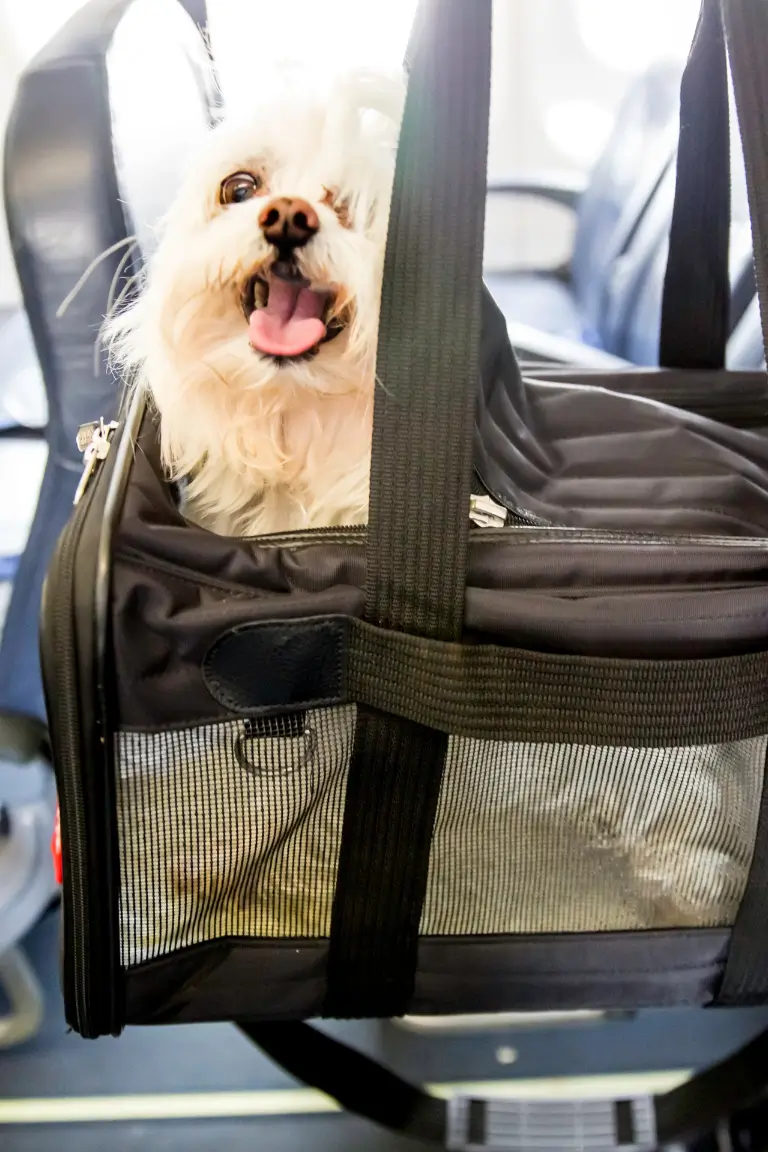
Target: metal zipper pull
486,513
94,442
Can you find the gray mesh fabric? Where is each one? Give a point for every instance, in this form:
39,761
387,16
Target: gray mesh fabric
233,830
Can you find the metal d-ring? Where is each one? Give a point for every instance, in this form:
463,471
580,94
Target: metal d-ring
295,727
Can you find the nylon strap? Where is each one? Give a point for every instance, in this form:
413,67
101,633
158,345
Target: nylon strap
696,296
429,344
366,1088
746,27
427,369
488,692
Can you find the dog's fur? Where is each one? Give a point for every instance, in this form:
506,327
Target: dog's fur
264,445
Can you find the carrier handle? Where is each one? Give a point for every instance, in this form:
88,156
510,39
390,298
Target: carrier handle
366,1088
696,293
421,471
429,335
746,30
696,296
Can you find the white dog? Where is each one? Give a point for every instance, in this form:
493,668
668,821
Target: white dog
256,332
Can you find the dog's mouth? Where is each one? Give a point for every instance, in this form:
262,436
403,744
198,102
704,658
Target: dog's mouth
287,317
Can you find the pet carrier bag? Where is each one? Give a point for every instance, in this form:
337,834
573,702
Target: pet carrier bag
504,749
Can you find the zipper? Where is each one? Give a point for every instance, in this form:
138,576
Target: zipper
493,520
530,534
502,513
484,512
94,440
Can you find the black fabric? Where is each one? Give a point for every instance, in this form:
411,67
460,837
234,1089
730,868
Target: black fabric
363,1087
630,602
486,692
625,1127
696,300
285,979
415,568
745,980
357,1082
714,1095
391,800
432,281
574,454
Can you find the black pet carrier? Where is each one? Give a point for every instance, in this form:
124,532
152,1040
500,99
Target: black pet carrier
503,750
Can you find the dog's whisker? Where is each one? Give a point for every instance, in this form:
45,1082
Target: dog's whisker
125,292
380,384
122,265
62,308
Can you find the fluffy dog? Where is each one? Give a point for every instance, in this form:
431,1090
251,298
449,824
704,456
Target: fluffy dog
256,332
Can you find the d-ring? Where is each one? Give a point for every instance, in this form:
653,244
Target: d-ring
294,727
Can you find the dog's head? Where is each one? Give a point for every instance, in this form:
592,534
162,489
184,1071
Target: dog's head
268,269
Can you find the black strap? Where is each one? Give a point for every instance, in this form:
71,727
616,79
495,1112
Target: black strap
746,28
489,692
358,1083
366,1088
427,369
429,342
696,297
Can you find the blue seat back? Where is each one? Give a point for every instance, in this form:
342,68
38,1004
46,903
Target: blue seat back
631,322
639,151
101,120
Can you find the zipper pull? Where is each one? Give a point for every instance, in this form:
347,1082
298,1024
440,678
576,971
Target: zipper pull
94,441
486,513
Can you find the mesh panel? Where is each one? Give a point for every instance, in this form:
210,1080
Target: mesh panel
230,830
234,830
570,838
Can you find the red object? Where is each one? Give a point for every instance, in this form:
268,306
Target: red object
58,867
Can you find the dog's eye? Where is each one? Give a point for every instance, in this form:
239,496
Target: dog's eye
341,206
239,187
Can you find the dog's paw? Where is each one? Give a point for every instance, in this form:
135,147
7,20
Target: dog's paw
688,886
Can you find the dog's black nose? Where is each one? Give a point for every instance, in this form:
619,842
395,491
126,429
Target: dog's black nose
288,222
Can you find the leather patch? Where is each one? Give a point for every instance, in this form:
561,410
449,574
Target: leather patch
279,667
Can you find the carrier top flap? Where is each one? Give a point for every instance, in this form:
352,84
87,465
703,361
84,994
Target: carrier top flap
588,456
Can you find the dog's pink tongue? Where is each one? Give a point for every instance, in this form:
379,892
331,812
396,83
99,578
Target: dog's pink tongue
290,324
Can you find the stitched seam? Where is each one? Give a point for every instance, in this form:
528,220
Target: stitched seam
171,570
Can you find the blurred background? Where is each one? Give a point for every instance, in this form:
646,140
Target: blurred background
561,69
101,102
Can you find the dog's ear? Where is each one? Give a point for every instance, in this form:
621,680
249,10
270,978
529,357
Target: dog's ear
382,92
375,97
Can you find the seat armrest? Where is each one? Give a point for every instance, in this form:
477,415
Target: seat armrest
536,348
564,188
